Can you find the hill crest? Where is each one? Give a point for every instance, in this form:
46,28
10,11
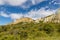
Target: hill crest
51,18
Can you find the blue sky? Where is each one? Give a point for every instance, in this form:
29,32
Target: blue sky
10,10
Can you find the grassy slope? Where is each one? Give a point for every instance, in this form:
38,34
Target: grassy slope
30,31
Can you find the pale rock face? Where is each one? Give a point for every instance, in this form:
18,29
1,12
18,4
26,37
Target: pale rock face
58,14
53,17
49,18
24,20
40,19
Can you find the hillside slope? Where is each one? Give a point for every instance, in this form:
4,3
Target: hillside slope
28,29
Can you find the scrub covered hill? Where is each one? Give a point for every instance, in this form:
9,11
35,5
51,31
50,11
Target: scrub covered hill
30,31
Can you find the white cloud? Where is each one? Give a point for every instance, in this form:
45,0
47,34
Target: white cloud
4,14
34,14
19,2
12,2
1,2
37,1
50,2
33,1
57,3
15,16
40,13
15,2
